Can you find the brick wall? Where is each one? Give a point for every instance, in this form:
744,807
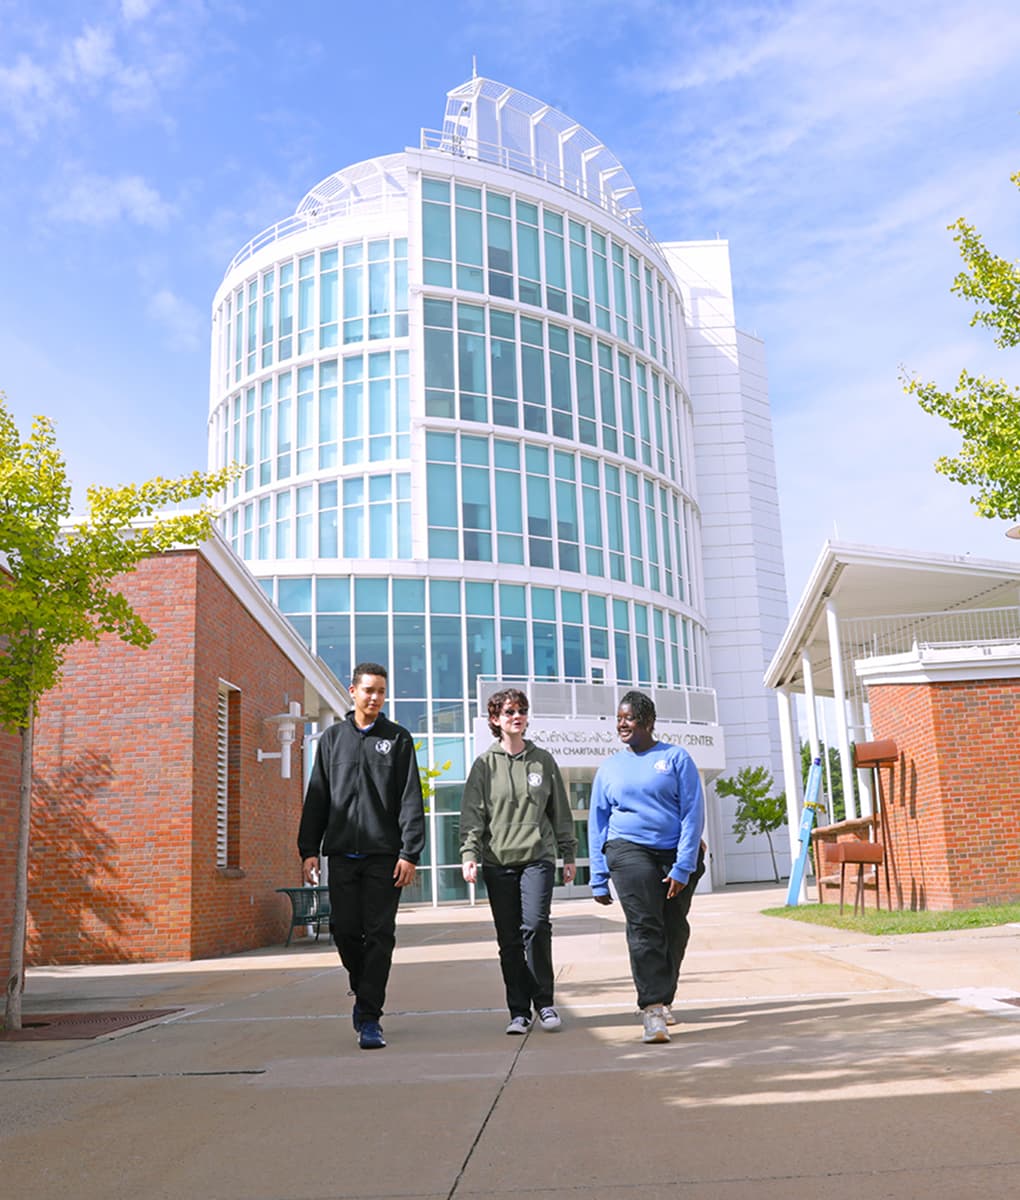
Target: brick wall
954,805
124,810
233,910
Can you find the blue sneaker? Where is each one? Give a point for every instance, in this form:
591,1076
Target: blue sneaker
370,1035
356,1018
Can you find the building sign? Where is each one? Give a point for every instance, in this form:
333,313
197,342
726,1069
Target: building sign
586,741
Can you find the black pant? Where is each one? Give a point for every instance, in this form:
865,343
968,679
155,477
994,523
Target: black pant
657,928
363,900
520,899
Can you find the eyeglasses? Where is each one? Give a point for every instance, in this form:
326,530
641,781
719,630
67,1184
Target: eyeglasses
514,712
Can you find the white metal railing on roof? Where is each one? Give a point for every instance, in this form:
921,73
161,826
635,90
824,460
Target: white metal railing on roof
899,633
380,202
869,637
577,698
528,164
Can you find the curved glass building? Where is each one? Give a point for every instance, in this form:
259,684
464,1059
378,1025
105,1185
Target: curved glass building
462,382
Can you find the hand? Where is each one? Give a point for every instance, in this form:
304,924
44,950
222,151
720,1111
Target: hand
310,869
675,887
606,899
569,872
404,873
470,871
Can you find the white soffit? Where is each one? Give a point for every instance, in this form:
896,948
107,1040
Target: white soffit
872,581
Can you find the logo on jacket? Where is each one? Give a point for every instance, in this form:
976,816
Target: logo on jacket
534,779
384,745
662,766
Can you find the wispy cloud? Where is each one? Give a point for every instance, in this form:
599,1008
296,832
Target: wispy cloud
184,325
91,199
31,95
118,64
136,10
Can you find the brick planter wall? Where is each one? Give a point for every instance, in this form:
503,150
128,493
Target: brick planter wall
954,806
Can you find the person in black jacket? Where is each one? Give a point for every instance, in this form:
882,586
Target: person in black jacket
363,809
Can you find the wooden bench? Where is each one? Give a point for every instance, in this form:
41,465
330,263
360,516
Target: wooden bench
854,852
856,831
308,906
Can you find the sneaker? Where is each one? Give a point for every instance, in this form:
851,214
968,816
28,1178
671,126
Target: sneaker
518,1025
549,1018
356,1018
655,1023
668,1013
370,1035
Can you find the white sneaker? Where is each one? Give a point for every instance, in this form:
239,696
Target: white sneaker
518,1025
670,1019
655,1023
549,1018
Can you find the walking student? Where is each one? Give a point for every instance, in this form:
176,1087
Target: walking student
363,810
515,820
647,813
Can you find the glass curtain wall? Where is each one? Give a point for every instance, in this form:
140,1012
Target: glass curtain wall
550,505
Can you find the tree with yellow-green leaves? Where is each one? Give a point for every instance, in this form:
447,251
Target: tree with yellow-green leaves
986,412
57,587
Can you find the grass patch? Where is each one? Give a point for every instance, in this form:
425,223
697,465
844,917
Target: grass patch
878,923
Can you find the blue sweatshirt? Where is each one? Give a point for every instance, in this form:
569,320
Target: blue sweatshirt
654,799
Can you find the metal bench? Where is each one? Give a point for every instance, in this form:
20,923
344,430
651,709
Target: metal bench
309,906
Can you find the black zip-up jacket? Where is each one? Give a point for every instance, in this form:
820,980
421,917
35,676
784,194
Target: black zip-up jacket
364,793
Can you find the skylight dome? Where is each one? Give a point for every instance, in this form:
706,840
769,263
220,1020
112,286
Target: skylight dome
376,179
495,123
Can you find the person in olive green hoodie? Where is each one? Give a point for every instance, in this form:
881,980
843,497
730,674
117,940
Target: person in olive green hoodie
515,820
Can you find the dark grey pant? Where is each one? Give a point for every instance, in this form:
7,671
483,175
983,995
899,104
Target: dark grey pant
363,900
657,928
520,899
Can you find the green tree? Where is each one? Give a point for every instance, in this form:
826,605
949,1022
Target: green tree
757,811
984,411
58,588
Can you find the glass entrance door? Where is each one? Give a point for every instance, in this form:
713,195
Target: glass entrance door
578,793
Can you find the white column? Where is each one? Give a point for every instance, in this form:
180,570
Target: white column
712,836
846,769
791,772
864,783
811,711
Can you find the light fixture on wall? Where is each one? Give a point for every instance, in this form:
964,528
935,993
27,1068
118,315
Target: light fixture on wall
286,729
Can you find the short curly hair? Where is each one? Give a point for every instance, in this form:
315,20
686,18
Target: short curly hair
641,706
496,702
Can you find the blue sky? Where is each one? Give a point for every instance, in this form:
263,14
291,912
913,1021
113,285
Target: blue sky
831,143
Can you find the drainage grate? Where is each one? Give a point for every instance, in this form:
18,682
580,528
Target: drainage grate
43,1027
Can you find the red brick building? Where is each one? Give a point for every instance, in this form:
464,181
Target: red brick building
951,819
923,650
156,831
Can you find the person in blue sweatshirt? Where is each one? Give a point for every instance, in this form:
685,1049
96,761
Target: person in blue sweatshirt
646,817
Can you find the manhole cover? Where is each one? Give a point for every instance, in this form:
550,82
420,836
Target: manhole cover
43,1027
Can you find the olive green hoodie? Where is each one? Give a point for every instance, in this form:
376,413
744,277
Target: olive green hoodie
515,809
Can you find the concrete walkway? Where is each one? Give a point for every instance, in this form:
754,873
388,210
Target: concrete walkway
809,1063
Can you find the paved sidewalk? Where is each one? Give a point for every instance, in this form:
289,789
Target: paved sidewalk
809,1063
